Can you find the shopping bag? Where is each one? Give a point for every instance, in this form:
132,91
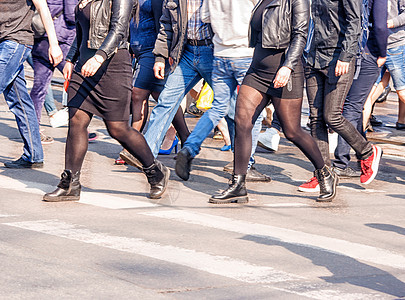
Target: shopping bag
205,97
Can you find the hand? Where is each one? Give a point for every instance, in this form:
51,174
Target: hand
68,70
390,24
282,76
342,68
55,55
92,65
159,70
381,61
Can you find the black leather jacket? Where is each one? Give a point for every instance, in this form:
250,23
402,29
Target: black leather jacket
284,26
109,27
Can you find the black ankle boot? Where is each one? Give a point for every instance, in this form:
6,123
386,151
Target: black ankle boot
328,181
158,177
68,188
235,193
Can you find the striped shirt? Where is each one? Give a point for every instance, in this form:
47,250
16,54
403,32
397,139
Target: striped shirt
196,29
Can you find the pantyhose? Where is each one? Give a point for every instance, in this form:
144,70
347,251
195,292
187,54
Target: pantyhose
249,105
77,140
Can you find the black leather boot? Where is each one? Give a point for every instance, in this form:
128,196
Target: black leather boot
328,181
235,193
158,177
68,188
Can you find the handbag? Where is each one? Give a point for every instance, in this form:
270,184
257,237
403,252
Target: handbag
37,25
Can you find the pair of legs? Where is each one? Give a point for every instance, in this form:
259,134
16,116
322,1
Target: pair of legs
195,64
140,111
354,103
43,71
326,96
77,140
227,74
14,87
249,106
377,89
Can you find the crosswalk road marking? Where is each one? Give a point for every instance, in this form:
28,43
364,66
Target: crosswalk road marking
333,245
91,198
218,265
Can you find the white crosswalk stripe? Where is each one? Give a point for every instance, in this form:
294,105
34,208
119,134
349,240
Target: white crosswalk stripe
91,198
333,245
218,265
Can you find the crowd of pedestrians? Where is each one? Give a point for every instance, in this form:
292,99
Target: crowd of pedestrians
116,54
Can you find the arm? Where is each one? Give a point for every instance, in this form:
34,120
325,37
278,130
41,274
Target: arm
400,19
164,38
352,9
69,11
380,30
205,12
121,12
299,32
157,12
55,53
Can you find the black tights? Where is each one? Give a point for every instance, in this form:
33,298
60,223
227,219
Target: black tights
249,105
140,110
77,140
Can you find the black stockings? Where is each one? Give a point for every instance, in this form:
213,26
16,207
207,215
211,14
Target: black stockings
140,110
249,105
77,140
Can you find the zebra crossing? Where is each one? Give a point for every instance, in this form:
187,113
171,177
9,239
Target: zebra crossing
212,263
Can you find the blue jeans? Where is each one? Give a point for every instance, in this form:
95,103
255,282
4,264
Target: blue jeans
195,64
354,103
13,85
227,74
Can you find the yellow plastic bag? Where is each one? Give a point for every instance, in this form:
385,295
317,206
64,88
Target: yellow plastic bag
205,97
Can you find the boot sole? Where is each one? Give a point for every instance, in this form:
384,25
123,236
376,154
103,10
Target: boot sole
124,156
330,198
158,196
241,199
60,198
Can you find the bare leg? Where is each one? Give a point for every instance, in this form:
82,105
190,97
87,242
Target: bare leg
223,127
401,108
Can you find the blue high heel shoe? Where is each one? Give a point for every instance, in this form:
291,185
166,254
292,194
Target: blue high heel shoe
169,151
226,148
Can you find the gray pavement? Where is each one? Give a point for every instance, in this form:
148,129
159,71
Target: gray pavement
116,243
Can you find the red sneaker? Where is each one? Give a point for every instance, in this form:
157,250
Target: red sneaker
369,166
311,186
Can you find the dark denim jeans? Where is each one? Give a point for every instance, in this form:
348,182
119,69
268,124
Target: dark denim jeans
326,96
14,87
353,107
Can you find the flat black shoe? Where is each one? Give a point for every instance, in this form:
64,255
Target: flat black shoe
183,164
235,193
400,126
23,164
384,95
253,175
375,122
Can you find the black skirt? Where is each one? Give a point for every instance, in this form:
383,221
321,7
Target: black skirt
263,70
107,93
